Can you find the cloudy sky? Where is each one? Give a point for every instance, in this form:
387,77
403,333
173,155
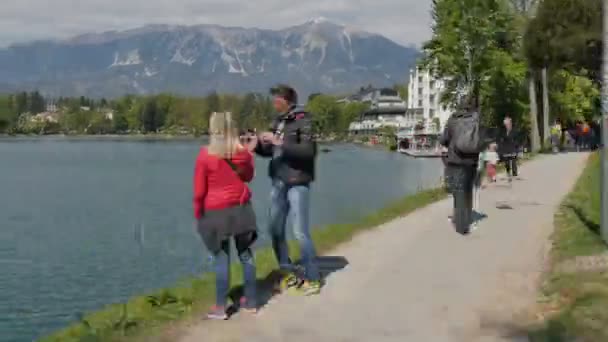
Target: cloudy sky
405,21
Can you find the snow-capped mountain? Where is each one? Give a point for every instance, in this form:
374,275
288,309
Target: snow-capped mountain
317,56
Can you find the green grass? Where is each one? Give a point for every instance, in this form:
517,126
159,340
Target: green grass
147,315
576,303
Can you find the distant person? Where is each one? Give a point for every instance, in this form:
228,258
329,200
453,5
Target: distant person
556,136
596,133
508,147
293,150
579,137
223,210
461,167
586,135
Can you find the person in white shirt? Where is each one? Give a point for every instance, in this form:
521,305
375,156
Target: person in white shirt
491,160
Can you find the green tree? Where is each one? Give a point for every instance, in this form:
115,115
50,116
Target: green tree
36,103
524,10
150,116
75,119
120,124
213,103
575,98
325,112
465,38
349,113
566,34
402,90
21,103
244,116
505,92
99,124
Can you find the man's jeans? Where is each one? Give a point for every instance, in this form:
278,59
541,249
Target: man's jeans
294,200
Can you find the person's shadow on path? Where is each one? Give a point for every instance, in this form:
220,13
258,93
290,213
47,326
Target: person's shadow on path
269,286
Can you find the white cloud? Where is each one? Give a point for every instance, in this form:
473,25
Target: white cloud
405,21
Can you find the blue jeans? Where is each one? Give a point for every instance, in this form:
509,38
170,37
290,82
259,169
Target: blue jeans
222,275
294,200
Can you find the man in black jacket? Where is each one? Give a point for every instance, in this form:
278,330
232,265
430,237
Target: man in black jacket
508,147
461,171
291,146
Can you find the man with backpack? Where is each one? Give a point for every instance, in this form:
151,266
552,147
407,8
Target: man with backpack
291,146
463,138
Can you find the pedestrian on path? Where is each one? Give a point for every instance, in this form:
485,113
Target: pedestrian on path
508,147
556,136
223,210
291,146
461,167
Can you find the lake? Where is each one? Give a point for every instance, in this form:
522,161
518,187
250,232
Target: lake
90,222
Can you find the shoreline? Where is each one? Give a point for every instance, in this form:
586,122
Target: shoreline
132,137
154,313
143,315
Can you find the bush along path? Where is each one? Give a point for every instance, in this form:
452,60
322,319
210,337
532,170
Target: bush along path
415,279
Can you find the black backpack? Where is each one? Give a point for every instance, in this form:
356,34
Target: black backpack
466,132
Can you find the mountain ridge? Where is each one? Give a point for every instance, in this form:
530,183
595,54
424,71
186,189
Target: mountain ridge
316,56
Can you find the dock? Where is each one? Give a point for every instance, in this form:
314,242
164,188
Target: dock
421,153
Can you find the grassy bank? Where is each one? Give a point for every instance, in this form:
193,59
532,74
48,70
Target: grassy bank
144,314
575,295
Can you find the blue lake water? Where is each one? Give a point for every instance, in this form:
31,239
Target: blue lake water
89,222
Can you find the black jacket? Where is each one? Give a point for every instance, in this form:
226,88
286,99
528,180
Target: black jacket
509,143
294,161
453,157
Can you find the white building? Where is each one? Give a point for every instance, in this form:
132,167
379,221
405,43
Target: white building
387,109
424,94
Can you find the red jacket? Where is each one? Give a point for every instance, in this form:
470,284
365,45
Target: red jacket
217,185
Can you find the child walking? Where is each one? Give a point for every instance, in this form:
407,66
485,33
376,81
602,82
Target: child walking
491,159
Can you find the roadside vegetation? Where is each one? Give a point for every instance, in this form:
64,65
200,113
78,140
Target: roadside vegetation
575,294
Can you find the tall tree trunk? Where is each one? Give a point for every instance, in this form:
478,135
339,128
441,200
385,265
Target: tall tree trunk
534,133
546,110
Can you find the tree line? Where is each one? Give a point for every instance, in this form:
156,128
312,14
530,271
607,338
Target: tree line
512,55
164,113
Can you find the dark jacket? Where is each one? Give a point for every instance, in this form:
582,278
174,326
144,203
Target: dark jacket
508,143
294,161
453,157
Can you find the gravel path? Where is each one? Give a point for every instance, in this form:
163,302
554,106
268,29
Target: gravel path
415,279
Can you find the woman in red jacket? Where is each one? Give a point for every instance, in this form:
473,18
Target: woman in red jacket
223,210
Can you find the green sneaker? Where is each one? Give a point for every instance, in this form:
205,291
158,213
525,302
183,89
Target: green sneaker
310,288
289,280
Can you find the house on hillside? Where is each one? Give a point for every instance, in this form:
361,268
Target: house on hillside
109,115
50,117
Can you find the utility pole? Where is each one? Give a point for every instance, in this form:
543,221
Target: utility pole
604,123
